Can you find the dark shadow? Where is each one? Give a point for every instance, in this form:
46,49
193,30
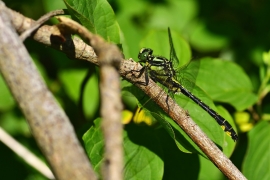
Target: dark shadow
243,23
176,163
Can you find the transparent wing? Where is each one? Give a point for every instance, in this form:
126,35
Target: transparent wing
187,74
173,56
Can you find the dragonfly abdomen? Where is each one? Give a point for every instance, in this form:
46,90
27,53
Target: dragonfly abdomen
220,120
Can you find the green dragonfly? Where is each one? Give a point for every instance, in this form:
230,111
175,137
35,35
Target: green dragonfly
162,70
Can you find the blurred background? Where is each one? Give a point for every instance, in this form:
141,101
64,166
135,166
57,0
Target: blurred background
234,30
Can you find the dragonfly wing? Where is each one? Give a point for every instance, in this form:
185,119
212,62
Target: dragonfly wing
187,74
173,56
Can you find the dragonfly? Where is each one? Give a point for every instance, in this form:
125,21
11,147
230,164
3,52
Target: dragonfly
162,70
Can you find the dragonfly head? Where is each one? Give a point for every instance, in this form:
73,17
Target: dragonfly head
145,54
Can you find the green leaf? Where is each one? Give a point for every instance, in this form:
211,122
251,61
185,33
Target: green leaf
72,80
52,5
225,81
169,13
97,16
91,96
208,170
142,151
204,40
256,163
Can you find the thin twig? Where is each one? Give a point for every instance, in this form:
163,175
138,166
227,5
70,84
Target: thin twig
39,22
25,154
82,52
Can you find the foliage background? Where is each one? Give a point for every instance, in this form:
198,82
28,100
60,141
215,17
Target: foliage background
236,31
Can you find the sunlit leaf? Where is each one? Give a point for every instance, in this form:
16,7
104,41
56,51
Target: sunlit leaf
97,16
256,163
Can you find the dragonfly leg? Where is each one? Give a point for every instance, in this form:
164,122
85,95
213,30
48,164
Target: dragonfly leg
141,71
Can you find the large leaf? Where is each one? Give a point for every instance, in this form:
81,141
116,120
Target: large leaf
97,16
226,82
256,164
142,151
